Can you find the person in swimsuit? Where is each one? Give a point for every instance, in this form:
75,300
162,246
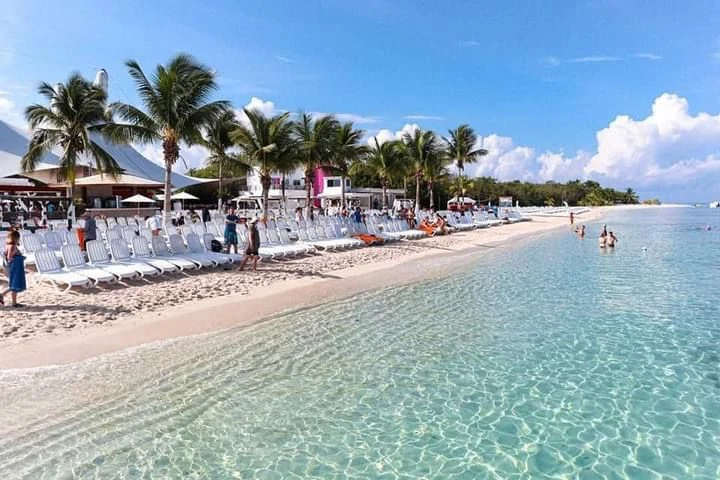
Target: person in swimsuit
611,240
603,240
581,232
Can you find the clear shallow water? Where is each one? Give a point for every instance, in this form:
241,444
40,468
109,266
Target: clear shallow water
550,361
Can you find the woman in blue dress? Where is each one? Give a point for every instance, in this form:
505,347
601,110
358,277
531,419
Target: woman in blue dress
16,269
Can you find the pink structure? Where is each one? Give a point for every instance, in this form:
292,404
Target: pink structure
319,183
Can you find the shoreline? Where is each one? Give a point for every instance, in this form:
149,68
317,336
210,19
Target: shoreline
278,297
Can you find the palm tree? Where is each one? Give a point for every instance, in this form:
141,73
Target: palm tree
418,147
217,140
315,138
631,196
177,109
346,150
386,161
77,111
434,171
461,149
268,144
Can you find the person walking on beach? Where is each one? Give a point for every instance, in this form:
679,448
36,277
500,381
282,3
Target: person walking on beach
153,224
231,238
16,269
252,249
90,230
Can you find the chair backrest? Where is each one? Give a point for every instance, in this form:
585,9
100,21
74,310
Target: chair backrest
53,240
113,234
122,221
146,233
73,256
186,230
284,236
199,227
132,222
159,247
97,253
119,250
31,242
194,243
46,261
70,237
140,246
176,244
273,236
128,235
210,227
207,239
111,222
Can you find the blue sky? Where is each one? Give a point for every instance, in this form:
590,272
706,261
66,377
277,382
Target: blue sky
533,77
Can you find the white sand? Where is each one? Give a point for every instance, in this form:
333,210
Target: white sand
62,328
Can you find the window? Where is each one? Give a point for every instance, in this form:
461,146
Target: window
297,183
333,182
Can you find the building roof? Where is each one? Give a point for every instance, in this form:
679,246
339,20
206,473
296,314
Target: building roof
124,180
14,142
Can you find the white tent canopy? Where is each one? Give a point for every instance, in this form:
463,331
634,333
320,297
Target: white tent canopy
183,196
463,200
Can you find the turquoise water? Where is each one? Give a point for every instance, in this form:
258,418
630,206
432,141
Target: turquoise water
553,360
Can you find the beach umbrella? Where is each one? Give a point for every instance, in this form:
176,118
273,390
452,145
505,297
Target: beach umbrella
137,199
182,196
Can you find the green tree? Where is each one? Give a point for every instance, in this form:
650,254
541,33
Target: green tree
177,109
77,110
346,149
461,149
267,144
217,140
631,196
387,162
418,147
315,139
435,171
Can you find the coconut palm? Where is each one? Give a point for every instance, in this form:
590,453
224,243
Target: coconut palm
315,138
268,144
346,149
631,196
77,111
387,161
434,171
177,109
418,147
461,149
216,139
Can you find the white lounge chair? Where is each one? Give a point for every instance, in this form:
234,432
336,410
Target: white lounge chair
141,251
196,247
121,255
177,247
98,255
74,261
49,270
160,250
207,240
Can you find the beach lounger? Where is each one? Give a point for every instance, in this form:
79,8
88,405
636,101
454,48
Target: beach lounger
121,255
49,270
99,257
274,240
74,261
161,251
53,241
207,239
178,248
196,247
141,251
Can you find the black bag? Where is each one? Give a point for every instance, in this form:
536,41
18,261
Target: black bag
216,246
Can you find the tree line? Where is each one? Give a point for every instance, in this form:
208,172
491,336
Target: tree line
178,110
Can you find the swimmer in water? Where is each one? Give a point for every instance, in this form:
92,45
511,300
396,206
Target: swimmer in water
611,240
581,232
603,240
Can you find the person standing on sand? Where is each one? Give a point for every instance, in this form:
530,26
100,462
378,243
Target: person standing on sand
90,230
16,269
252,249
231,238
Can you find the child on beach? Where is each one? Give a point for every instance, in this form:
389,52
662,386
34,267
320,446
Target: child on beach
16,269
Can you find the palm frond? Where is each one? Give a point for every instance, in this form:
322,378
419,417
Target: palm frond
104,162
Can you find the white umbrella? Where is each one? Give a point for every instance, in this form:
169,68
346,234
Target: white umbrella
137,199
182,196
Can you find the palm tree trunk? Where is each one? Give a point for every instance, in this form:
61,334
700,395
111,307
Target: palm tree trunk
385,195
342,193
284,200
417,191
266,180
459,192
430,191
220,179
71,207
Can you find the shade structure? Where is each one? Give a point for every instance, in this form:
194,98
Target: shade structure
123,179
137,199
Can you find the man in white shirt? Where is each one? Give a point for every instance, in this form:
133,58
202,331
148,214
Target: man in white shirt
153,223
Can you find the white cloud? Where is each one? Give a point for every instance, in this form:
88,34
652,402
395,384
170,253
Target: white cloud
267,108
552,61
505,161
647,56
284,59
10,113
469,43
669,142
559,168
423,117
351,117
593,59
386,135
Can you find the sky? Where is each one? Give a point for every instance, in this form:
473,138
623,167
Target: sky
625,92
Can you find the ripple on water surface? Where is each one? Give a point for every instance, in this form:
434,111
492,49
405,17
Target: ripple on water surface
550,361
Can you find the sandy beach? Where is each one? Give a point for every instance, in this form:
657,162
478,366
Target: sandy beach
60,328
